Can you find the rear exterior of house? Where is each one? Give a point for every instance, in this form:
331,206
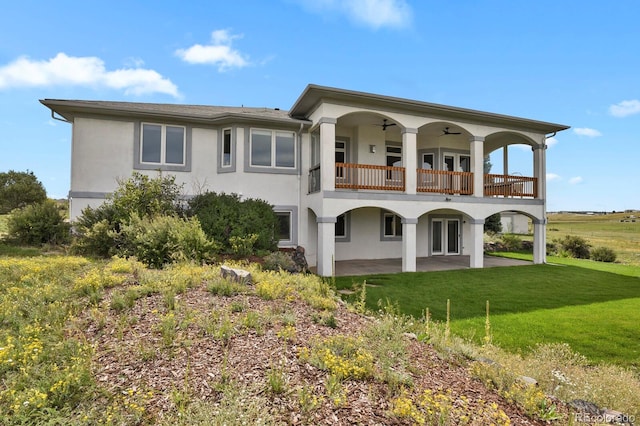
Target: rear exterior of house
351,175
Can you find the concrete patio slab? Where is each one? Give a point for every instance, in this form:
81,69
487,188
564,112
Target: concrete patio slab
423,264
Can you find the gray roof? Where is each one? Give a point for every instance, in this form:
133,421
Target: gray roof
313,95
68,109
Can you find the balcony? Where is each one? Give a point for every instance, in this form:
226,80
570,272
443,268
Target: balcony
388,178
444,182
510,186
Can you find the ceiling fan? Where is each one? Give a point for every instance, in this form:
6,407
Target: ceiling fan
446,131
384,125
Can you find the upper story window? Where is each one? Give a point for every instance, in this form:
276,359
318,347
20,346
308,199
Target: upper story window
162,144
226,148
272,148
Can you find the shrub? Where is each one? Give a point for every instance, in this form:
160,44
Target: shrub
243,246
574,246
38,224
140,195
603,254
225,216
20,189
164,239
278,260
511,242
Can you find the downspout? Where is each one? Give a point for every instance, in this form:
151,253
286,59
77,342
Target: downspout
53,115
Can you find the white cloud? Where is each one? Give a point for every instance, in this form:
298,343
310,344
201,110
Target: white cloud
551,142
553,176
219,52
585,131
63,70
373,13
625,108
575,180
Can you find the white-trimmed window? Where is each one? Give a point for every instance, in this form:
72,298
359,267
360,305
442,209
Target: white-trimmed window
162,144
272,148
226,148
392,225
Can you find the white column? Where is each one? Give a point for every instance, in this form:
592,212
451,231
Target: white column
409,244
505,160
539,241
326,246
540,169
476,258
410,159
477,164
327,154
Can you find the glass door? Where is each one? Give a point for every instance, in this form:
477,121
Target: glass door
436,237
445,237
453,236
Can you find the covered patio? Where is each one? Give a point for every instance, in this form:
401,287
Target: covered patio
423,264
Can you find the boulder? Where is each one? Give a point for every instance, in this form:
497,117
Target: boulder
239,276
300,260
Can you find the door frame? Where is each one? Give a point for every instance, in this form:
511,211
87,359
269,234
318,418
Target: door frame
445,220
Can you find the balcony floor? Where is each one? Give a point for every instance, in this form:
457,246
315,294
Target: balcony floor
423,264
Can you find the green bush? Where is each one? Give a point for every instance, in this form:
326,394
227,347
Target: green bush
164,239
223,216
574,246
493,224
511,242
142,196
38,224
243,246
278,260
603,254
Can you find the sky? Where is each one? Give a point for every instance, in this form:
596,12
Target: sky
570,62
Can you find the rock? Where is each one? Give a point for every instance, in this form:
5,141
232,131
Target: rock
300,260
236,275
584,407
530,381
411,336
616,417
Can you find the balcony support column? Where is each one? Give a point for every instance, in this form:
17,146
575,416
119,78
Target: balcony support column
410,159
326,246
327,154
540,169
539,241
476,255
409,244
477,164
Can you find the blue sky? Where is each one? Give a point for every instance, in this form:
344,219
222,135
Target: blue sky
569,62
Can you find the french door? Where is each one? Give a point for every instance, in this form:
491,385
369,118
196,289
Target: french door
445,237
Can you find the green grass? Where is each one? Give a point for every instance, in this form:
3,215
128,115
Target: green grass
595,311
614,268
3,224
15,251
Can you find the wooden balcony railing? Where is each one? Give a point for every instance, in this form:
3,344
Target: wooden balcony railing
367,176
443,182
510,186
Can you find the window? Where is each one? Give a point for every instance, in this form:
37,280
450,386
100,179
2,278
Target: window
342,227
226,148
392,224
162,144
272,149
394,159
427,161
284,226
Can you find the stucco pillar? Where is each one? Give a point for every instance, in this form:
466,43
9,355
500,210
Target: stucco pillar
505,160
540,169
410,159
326,246
477,164
476,258
539,241
327,154
409,244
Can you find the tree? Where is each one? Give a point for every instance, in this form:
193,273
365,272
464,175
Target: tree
19,189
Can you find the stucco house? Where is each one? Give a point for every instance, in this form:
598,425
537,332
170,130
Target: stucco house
352,175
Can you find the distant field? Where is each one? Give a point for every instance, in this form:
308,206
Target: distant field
616,231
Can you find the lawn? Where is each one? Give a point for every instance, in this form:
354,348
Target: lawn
596,312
